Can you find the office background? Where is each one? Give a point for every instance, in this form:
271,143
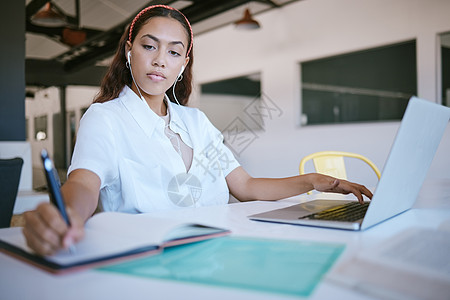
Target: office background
308,30
276,140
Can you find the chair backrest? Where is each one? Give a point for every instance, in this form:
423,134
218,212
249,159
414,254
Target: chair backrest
10,170
332,163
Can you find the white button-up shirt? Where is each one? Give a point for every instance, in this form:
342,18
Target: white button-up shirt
123,142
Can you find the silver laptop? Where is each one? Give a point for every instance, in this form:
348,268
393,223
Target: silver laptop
415,145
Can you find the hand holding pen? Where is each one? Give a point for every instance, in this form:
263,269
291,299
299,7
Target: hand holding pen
51,227
54,186
47,233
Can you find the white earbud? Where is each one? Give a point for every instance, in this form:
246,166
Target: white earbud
129,57
181,71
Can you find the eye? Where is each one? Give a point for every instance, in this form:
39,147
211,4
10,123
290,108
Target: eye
148,47
174,53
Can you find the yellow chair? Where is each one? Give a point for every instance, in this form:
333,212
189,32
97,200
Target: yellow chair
332,163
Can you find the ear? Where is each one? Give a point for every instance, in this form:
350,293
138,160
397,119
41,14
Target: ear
186,62
127,48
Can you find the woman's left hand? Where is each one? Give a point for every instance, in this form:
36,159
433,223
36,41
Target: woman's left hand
324,183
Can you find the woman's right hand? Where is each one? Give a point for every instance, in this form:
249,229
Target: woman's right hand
46,231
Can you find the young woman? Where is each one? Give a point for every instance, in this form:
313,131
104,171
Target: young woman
140,149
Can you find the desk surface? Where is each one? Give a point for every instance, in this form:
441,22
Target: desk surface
21,281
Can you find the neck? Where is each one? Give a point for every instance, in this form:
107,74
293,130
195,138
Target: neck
155,102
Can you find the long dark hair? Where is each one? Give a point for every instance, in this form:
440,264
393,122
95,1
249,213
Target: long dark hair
118,75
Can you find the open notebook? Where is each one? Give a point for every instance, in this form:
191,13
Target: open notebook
111,237
415,145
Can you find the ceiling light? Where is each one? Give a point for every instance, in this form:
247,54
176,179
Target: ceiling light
247,22
49,17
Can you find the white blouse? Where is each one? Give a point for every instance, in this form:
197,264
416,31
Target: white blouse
124,142
182,149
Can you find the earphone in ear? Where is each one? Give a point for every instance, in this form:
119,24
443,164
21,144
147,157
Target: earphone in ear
129,56
179,78
181,71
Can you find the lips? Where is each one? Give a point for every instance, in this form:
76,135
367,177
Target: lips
156,76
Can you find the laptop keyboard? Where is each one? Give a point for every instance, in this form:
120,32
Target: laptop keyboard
348,212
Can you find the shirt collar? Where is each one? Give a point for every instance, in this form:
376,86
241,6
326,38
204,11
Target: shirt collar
144,116
147,119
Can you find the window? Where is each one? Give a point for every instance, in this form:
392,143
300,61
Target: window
369,85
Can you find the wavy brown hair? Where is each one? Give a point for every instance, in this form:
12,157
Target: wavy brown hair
118,75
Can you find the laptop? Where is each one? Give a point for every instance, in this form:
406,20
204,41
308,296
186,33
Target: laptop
412,152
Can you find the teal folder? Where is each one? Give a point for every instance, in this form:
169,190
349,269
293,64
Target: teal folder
265,265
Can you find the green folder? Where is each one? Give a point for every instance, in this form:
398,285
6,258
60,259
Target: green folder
265,265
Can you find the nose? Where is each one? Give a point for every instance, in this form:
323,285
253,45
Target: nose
159,59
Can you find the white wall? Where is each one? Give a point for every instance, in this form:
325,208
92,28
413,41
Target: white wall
312,29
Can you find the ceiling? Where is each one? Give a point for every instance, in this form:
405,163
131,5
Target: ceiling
53,59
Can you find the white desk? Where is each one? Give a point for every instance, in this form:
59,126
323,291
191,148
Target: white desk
21,281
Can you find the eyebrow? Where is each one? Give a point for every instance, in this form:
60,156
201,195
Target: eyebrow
158,40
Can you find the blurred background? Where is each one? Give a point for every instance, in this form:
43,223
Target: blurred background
281,79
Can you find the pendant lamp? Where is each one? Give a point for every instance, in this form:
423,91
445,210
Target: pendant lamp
49,17
247,22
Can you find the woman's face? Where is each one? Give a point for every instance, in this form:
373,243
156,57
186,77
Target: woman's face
157,54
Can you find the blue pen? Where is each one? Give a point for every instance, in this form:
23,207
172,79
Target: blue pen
54,187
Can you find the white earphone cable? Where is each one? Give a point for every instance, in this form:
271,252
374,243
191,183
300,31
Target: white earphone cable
173,89
137,86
